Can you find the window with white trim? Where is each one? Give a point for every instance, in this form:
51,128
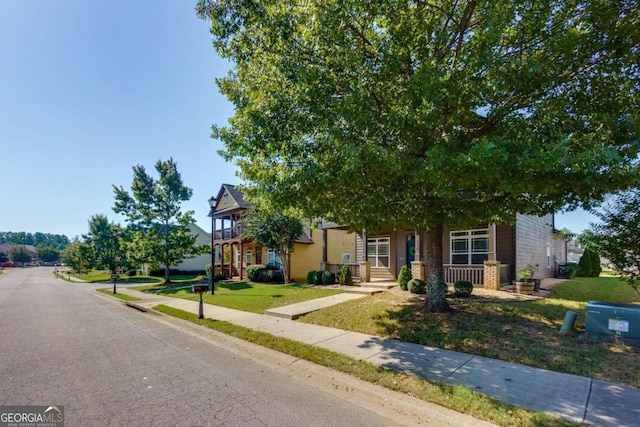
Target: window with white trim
469,246
249,257
378,250
346,258
273,259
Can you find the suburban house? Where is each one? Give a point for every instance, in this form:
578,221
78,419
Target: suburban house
6,248
234,252
198,262
488,253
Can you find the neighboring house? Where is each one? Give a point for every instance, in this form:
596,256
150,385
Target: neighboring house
199,262
6,248
233,252
532,240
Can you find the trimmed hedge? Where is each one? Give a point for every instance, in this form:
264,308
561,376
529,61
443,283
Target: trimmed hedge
404,277
463,288
417,286
328,278
261,273
311,277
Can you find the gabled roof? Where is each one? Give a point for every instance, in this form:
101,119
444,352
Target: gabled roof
6,248
236,195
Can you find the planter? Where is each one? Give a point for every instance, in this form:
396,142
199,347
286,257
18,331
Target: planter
536,285
525,288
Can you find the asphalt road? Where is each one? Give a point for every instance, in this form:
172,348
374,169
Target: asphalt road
64,344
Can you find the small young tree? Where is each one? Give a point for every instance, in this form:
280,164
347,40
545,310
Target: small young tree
274,230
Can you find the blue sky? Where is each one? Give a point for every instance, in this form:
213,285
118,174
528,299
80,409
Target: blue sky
90,89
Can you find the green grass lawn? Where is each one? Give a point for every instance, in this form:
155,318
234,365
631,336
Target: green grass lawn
95,276
249,296
519,332
603,288
109,291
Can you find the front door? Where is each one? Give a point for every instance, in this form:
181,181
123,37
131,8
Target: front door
411,249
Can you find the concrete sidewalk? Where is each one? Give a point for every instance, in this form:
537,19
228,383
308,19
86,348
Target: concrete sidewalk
578,399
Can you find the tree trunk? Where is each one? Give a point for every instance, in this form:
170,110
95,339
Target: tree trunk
436,299
285,266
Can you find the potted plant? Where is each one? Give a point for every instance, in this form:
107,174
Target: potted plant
524,283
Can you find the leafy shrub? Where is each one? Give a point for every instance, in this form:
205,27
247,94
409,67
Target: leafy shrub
220,276
311,277
261,273
318,278
589,265
572,269
328,278
463,288
345,276
417,286
255,271
404,277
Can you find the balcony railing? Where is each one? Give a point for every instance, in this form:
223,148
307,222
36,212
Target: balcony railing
229,233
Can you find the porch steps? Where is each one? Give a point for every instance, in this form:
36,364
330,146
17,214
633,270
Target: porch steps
381,274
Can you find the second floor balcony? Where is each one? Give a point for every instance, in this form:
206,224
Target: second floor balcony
229,233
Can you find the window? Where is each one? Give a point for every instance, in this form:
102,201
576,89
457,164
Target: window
548,255
225,199
346,258
469,246
238,260
378,252
249,257
273,259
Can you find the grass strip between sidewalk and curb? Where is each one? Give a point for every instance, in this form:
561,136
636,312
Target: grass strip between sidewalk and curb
123,297
458,398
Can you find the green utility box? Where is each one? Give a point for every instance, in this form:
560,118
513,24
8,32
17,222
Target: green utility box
621,320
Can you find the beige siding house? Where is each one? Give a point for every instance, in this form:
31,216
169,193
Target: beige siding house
532,240
234,252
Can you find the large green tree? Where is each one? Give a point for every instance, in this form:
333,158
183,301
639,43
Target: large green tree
104,243
274,230
430,114
76,255
20,255
153,213
48,254
617,234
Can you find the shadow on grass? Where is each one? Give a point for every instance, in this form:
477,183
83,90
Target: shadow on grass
520,332
233,286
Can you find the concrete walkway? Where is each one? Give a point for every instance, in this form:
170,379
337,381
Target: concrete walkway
578,399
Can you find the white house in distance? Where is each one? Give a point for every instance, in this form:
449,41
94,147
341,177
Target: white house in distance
200,261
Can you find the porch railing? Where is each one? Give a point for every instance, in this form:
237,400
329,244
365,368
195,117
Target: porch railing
473,273
335,268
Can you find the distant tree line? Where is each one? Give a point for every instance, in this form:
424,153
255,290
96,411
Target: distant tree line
37,239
